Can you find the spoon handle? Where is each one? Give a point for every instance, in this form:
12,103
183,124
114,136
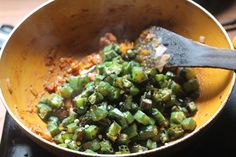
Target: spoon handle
217,58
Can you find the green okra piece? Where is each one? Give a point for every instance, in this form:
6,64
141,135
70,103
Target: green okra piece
189,124
138,148
43,100
89,151
177,117
96,97
123,139
72,127
142,118
116,113
159,117
119,116
151,72
123,149
55,100
43,111
53,126
81,104
98,113
104,88
175,131
53,120
72,145
113,131
128,66
126,83
151,144
66,90
176,89
91,132
115,94
162,95
106,147
114,68
164,137
99,78
134,91
192,108
160,77
132,53
129,117
109,52
78,83
73,82
68,120
118,82
58,138
63,145
131,131
138,75
66,136
147,132
93,145
53,129
145,103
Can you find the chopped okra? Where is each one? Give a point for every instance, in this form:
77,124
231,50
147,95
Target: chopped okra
175,131
120,106
142,118
106,147
53,126
113,131
68,120
151,144
123,149
123,139
159,117
43,110
98,113
72,127
189,124
147,132
129,117
131,131
93,145
177,117
91,132
66,91
55,100
138,75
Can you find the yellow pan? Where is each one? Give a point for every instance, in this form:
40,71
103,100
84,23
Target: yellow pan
74,27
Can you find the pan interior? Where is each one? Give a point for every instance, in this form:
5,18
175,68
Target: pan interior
74,28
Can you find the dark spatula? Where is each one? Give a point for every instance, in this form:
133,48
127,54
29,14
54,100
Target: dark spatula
187,53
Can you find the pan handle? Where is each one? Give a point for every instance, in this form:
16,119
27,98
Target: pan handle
5,30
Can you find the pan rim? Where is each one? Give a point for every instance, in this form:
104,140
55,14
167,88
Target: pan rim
173,143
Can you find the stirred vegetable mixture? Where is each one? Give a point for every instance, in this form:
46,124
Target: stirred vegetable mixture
125,108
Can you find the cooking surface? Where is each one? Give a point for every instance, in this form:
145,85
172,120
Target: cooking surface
220,138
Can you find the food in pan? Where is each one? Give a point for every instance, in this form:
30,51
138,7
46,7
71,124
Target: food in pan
117,105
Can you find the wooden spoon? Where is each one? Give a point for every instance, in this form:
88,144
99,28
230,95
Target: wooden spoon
185,52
